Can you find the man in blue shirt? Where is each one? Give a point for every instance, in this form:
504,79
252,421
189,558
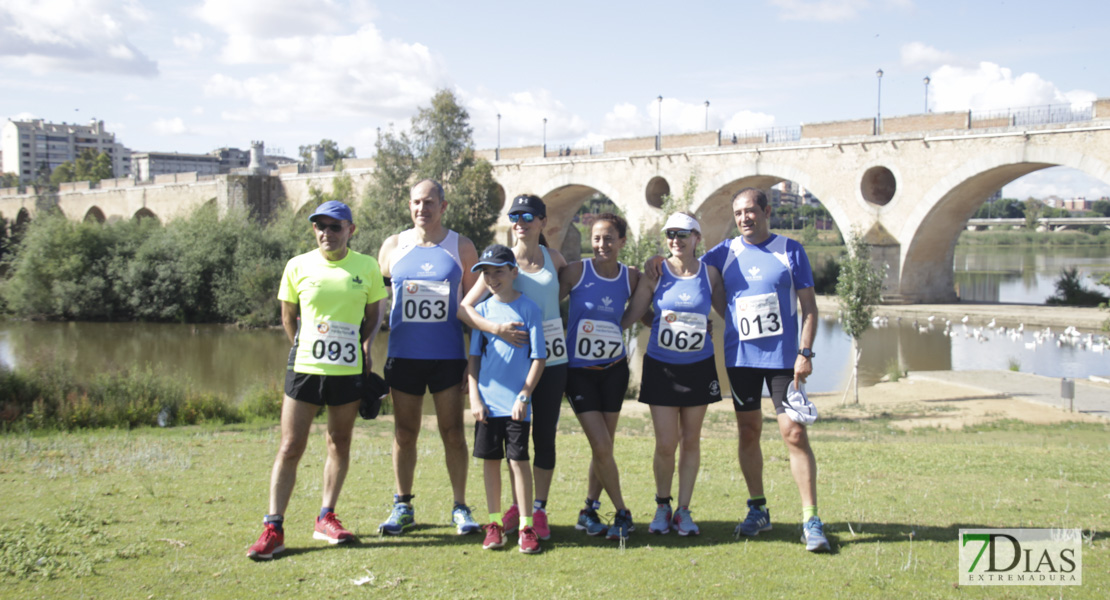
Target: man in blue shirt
767,279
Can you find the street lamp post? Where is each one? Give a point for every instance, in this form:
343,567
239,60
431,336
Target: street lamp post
659,134
497,155
545,137
879,104
926,80
707,115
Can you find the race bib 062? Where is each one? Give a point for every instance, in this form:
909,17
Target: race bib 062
682,331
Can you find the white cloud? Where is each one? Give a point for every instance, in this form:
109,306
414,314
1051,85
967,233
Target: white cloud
174,126
747,120
322,61
522,115
832,10
989,86
276,18
917,56
194,43
73,35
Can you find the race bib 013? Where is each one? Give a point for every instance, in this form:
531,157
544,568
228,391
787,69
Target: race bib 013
758,316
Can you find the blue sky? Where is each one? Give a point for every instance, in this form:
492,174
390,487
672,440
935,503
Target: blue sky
193,75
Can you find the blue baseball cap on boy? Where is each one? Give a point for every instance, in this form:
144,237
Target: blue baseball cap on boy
495,255
334,209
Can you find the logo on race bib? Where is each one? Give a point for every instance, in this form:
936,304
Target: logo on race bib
753,274
412,287
607,301
587,327
670,318
322,328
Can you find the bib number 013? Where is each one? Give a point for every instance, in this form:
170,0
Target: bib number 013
758,316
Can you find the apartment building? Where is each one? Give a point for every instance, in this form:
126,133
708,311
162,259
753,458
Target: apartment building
28,146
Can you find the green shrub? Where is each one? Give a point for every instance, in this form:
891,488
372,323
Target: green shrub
1070,291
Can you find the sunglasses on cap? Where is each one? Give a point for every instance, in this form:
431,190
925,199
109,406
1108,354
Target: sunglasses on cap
334,227
526,217
680,234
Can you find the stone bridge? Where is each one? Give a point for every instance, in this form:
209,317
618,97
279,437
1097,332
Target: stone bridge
910,190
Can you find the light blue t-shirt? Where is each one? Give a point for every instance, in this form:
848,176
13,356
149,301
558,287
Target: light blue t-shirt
761,284
542,287
679,327
504,367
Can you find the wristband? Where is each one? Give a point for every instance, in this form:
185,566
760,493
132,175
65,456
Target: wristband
523,398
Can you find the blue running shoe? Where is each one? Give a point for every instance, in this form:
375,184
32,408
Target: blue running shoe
758,519
463,520
400,520
661,524
621,527
683,523
813,534
589,522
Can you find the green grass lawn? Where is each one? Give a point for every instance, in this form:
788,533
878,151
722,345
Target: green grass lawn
169,513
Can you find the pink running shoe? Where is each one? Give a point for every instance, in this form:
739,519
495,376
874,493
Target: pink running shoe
331,530
529,541
539,523
271,542
511,519
495,537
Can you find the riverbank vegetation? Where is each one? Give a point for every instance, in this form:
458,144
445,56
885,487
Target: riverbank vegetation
46,395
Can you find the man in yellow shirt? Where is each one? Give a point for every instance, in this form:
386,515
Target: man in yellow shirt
335,292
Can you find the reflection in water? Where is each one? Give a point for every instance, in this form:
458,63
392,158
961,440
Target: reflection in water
226,360
1021,274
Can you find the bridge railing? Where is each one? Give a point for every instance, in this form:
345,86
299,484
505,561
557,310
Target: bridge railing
1035,115
768,135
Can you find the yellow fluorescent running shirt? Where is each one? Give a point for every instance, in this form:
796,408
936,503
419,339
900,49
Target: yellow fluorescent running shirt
332,298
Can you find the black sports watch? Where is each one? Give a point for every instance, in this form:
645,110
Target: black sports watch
806,352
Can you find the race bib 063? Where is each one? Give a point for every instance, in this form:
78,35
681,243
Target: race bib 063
424,301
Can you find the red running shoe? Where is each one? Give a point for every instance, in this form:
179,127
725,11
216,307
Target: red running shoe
529,541
269,543
511,519
539,523
495,537
331,530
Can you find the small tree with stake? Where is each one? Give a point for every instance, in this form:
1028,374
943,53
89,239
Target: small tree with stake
858,289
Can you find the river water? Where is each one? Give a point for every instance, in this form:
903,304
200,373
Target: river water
227,360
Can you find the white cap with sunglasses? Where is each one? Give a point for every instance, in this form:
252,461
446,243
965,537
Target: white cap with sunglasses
682,221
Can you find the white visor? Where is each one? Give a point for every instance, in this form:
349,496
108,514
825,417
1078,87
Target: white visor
681,221
798,406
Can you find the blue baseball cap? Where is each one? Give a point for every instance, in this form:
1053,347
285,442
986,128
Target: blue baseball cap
334,209
495,255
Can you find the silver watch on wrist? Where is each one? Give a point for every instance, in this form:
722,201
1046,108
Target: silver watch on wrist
523,398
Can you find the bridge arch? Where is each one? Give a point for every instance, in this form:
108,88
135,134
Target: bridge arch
714,209
94,215
145,213
930,233
563,195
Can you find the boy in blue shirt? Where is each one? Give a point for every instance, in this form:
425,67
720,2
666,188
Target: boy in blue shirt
501,379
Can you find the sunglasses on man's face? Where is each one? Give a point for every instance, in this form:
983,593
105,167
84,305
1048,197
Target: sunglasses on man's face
526,217
680,234
335,227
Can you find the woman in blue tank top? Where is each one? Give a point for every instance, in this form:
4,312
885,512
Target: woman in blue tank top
597,376
679,377
538,279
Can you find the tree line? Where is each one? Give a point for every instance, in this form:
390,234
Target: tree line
212,268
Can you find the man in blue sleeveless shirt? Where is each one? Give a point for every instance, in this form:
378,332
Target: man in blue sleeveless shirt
428,268
767,279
